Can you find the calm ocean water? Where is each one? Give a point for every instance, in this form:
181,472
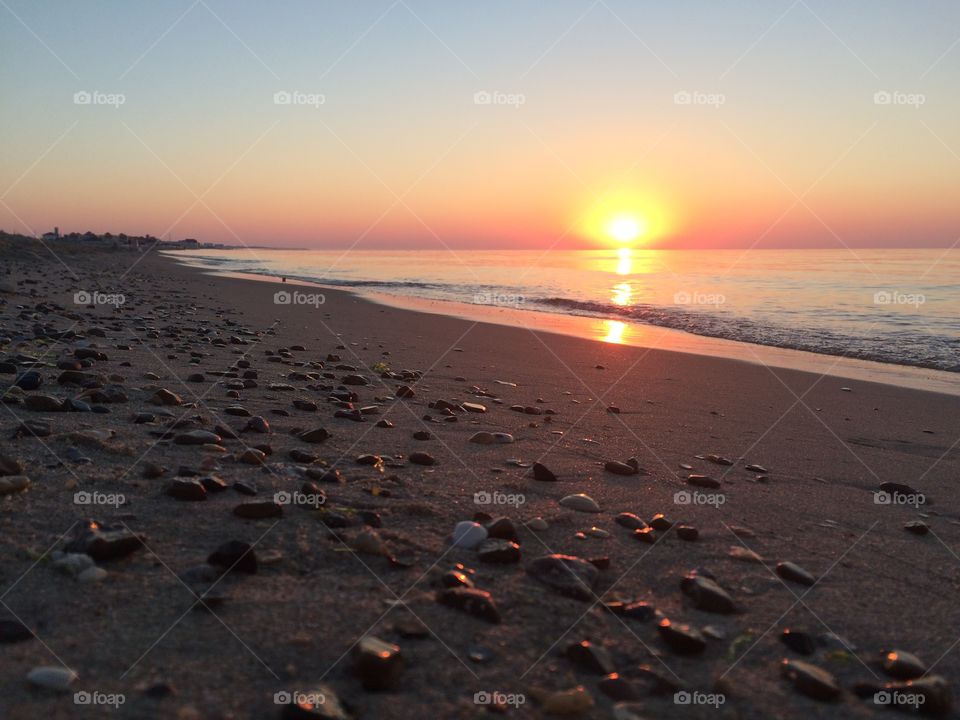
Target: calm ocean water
893,306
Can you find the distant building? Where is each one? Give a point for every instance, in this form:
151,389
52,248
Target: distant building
90,236
190,243
55,235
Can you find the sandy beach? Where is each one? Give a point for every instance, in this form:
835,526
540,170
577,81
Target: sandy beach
207,395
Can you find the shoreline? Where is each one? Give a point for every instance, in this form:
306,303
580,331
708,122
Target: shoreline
641,335
797,460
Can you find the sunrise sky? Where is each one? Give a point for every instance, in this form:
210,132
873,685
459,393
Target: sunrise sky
706,124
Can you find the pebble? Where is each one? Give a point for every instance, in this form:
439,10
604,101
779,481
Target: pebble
542,473
43,403
630,521
682,639
739,552
567,574
574,701
903,665
811,680
935,690
29,380
619,468
800,642
640,611
197,437
480,653
478,603
369,542
252,456
58,679
245,486
152,470
10,466
455,578
468,534
580,503
13,484
618,689
917,527
703,481
687,532
378,663
499,551
186,489
92,575
422,458
706,594
645,535
591,658
317,435
236,556
538,524
795,573
257,424
104,542
165,397
660,523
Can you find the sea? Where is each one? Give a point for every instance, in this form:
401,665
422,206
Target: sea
894,306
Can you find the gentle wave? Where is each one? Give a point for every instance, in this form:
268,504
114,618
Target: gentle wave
913,349
861,332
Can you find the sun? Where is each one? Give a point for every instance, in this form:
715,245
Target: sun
626,228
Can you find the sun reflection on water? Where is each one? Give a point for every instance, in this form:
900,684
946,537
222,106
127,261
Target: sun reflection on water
614,331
